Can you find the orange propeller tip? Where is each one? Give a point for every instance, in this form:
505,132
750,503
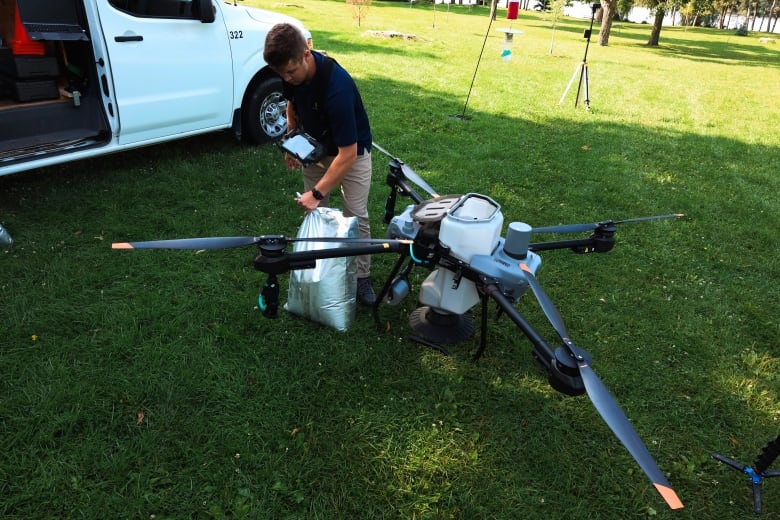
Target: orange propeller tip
121,245
669,496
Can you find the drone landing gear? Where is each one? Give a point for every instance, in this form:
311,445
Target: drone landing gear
757,473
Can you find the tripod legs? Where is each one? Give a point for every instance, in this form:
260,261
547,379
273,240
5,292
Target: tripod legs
584,76
582,72
757,473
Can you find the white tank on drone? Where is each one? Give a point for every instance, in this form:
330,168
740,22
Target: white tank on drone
472,226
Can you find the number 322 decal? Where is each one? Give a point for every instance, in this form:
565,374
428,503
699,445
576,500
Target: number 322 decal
235,35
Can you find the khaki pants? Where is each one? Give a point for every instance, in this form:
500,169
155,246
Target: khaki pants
354,191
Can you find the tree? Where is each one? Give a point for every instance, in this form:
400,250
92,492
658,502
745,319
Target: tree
623,8
493,9
724,8
659,9
608,11
359,9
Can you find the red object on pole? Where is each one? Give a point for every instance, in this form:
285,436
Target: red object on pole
511,13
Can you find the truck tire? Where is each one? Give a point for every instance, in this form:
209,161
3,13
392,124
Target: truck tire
265,112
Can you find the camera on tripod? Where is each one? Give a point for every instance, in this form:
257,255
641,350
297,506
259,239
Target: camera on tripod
594,7
582,68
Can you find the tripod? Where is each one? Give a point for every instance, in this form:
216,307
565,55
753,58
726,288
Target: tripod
582,67
757,473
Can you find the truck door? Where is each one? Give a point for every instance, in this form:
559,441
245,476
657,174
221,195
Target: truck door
172,73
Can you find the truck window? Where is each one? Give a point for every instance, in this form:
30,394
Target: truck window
157,8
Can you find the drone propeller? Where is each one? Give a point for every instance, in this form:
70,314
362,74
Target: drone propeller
602,399
190,243
229,242
579,228
409,173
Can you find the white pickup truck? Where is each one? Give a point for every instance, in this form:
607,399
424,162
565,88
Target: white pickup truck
82,78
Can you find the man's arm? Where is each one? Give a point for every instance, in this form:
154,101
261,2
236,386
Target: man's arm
292,123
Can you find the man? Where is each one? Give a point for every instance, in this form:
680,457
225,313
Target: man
324,102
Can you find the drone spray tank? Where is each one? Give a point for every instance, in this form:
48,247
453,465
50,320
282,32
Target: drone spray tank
465,230
471,227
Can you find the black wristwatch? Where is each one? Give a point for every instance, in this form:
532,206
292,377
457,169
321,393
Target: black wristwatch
317,194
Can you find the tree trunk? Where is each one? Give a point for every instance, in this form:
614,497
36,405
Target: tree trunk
655,34
493,9
769,16
608,8
753,19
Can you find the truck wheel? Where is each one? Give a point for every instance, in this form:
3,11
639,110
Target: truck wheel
265,113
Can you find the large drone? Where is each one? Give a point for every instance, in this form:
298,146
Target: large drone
458,238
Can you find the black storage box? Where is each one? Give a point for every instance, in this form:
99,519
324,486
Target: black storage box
30,90
27,67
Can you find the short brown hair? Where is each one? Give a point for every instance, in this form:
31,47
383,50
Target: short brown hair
284,42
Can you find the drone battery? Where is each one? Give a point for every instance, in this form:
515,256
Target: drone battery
472,226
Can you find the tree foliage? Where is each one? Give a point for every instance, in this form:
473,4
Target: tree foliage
750,15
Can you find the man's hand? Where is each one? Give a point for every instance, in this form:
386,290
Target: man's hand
307,201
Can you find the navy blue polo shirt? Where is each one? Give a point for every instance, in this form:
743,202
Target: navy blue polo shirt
345,120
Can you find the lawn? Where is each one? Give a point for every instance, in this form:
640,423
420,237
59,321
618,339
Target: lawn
147,384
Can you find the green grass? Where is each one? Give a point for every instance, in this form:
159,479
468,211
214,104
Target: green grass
245,417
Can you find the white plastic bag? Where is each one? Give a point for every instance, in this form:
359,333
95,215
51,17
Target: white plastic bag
325,294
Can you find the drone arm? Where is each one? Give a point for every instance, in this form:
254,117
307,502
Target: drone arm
562,374
600,241
543,352
406,190
278,262
596,243
559,244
